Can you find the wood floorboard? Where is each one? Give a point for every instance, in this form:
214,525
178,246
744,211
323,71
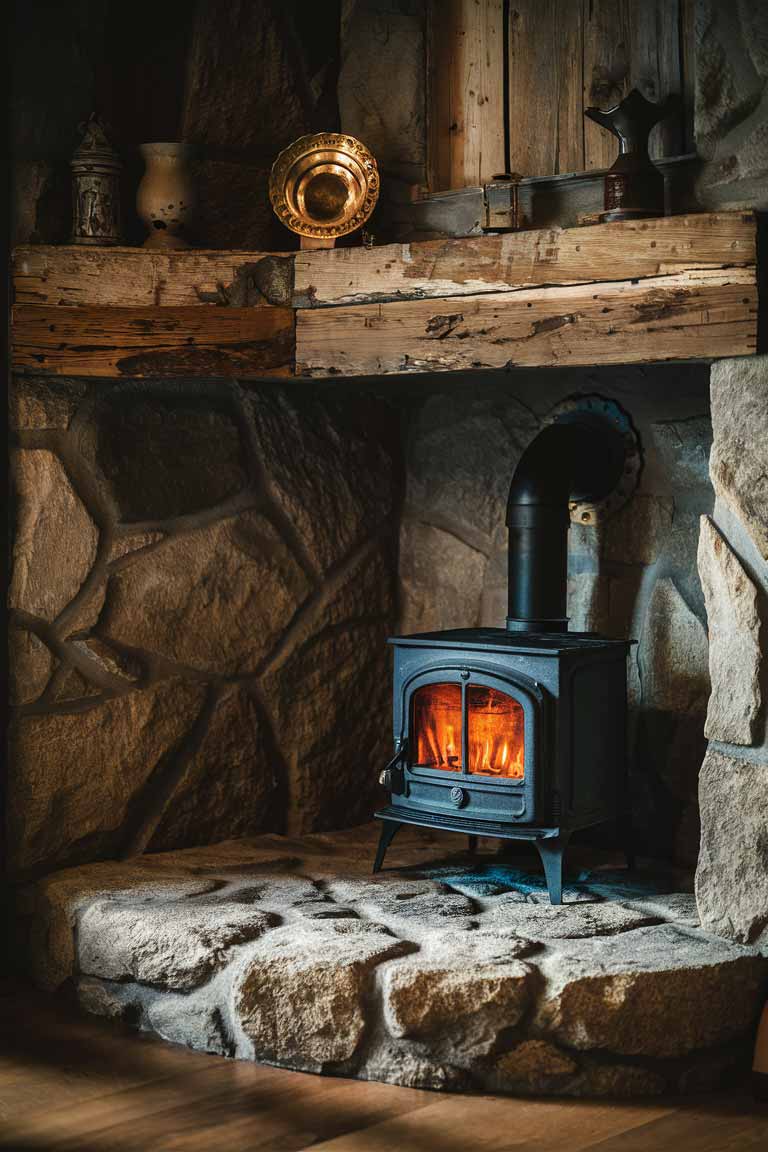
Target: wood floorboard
70,1083
716,1125
495,1124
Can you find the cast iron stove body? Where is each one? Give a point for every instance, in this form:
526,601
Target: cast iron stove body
519,733
514,735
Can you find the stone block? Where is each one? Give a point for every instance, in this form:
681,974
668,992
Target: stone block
230,785
163,452
732,872
466,1005
55,539
30,664
300,997
683,448
739,460
728,84
637,532
413,1066
656,991
38,402
169,944
462,452
673,653
189,599
74,776
567,921
418,904
330,466
329,693
53,905
735,656
192,1020
535,1067
441,578
110,999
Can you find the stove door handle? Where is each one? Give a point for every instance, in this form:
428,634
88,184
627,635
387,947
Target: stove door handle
393,777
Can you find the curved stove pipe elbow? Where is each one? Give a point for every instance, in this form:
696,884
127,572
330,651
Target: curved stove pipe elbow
580,456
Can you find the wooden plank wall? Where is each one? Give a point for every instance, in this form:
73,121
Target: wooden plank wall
563,57
630,44
466,92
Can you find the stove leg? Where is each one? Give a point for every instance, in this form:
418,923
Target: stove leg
551,851
472,845
389,829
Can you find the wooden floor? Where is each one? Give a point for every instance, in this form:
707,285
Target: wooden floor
67,1082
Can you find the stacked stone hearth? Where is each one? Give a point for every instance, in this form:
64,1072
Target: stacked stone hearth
443,973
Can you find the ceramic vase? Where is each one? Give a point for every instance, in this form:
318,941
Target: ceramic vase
165,199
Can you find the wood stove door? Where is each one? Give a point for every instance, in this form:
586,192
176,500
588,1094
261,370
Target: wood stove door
473,741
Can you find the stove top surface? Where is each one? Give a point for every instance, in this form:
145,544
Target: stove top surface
500,640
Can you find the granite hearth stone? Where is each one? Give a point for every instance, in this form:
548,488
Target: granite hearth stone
444,971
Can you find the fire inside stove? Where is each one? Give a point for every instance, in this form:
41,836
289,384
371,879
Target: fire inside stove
495,744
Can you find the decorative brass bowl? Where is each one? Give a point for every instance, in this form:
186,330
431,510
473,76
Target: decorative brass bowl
324,185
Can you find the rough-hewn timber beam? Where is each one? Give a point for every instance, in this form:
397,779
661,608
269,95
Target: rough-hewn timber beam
629,250
666,289
687,316
98,341
146,278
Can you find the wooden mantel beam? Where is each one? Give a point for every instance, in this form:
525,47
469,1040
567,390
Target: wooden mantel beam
635,292
504,262
682,317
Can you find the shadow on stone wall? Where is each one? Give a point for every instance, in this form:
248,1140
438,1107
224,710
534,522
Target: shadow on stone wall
204,577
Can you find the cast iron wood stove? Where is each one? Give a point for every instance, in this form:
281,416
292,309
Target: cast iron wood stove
519,732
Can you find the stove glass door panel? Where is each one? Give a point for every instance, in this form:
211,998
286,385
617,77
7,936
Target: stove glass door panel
495,734
437,726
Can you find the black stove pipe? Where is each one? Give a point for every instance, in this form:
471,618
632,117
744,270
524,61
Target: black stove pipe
580,456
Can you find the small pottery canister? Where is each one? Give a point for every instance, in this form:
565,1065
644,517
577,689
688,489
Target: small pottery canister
165,199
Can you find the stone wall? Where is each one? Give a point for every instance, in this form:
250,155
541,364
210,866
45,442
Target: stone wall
731,103
203,580
732,875
633,576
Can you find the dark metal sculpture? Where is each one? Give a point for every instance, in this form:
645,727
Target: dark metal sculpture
634,187
95,187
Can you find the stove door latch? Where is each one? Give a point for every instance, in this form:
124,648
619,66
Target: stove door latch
393,777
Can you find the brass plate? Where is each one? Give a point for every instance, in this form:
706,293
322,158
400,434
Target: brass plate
324,185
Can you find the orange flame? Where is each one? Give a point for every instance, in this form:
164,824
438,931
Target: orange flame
496,741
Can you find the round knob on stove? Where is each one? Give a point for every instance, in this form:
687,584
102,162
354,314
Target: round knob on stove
458,797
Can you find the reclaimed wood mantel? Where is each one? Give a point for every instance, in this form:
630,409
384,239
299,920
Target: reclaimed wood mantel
674,288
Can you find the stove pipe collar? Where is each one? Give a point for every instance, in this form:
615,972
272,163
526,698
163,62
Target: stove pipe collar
579,456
